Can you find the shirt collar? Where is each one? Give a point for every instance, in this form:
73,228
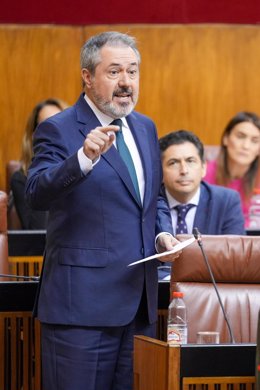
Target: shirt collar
173,202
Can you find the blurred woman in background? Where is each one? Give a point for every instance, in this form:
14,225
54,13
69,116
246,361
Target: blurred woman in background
237,164
31,219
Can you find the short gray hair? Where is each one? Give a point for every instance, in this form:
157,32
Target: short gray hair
90,52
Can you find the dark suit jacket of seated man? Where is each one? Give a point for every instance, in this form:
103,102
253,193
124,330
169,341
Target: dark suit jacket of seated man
215,210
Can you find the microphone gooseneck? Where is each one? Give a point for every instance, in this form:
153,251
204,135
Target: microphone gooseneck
198,238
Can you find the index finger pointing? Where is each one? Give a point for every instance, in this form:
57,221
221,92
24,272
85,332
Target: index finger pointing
106,129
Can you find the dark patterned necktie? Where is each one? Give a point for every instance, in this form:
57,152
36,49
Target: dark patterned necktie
126,156
181,227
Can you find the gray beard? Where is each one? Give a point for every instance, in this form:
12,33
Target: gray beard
111,109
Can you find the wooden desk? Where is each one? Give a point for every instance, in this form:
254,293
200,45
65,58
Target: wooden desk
158,366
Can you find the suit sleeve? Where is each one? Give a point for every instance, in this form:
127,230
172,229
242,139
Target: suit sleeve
163,219
55,169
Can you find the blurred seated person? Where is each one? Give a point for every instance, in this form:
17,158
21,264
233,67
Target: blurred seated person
192,202
31,219
236,166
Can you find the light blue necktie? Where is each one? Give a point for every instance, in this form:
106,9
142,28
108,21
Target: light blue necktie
126,156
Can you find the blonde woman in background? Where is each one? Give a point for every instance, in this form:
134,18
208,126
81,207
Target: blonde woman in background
32,219
237,164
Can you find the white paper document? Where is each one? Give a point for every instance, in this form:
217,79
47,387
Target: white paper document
175,249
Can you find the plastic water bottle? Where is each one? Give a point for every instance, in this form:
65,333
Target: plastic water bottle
254,209
177,330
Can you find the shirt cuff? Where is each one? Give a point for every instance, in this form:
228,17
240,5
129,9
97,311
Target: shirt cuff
156,238
86,165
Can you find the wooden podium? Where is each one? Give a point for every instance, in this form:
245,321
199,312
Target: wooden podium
157,366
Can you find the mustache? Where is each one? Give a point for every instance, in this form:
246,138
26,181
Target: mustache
123,90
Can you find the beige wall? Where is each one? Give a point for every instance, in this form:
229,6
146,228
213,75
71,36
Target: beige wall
192,76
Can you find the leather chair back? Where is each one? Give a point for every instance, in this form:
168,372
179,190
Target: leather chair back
235,263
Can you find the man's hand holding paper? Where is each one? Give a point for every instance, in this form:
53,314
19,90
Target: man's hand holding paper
166,242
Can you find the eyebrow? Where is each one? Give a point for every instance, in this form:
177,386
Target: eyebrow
117,64
185,158
244,132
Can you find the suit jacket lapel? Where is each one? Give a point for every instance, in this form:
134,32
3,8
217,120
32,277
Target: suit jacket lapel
139,132
114,159
85,116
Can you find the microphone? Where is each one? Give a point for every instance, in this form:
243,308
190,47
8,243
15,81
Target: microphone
34,278
198,238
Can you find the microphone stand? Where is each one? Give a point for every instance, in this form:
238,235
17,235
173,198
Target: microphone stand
197,236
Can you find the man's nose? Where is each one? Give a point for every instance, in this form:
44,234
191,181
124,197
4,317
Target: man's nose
183,167
124,79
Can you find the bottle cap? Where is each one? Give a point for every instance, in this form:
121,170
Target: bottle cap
177,294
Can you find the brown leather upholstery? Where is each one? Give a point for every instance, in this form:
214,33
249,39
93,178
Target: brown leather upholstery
3,234
235,263
13,221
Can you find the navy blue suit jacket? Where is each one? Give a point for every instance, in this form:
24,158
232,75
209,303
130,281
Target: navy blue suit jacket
219,211
96,226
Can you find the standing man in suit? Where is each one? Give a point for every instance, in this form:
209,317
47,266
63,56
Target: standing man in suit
212,209
104,212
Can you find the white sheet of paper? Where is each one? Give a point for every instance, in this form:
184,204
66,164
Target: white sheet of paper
176,248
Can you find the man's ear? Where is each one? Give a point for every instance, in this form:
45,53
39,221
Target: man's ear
87,78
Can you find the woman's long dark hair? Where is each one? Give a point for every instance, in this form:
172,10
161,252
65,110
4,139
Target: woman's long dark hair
223,176
32,122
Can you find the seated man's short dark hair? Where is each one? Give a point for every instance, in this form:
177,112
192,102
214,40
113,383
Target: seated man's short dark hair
179,137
